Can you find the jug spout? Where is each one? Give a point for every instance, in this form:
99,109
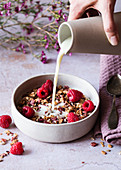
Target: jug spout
87,36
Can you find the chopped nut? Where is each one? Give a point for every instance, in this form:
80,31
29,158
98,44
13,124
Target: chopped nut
60,87
7,152
14,141
92,138
60,91
60,121
110,146
13,138
1,160
32,94
65,91
0,133
3,140
102,144
108,150
103,152
55,103
8,133
3,155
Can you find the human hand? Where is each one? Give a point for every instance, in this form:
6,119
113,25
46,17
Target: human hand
105,7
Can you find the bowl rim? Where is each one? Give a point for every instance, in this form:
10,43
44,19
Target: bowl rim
45,124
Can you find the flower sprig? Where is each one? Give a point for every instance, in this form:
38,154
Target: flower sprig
26,25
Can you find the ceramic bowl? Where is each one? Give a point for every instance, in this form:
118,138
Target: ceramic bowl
55,133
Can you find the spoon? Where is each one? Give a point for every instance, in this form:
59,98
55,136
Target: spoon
114,88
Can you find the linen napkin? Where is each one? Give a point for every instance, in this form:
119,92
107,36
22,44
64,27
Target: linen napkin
109,66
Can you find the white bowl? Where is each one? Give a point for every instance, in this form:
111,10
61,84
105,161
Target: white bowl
55,133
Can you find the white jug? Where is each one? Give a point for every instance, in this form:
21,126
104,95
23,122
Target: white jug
88,36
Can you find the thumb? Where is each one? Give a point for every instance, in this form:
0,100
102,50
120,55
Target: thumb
110,28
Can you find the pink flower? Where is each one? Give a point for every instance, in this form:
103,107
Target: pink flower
44,59
1,13
60,12
47,45
50,18
65,17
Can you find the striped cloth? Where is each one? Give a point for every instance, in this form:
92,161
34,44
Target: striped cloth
109,65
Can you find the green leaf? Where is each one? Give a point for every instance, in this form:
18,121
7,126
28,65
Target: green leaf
18,32
1,23
15,18
22,38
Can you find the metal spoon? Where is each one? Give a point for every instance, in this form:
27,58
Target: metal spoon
114,88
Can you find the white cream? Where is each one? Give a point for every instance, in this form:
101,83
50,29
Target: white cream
46,111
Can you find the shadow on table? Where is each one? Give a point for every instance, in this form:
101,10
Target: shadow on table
50,60
84,138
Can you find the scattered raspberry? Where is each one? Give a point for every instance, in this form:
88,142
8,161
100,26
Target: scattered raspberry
71,117
16,149
88,106
48,86
42,93
5,121
28,112
94,144
83,162
74,95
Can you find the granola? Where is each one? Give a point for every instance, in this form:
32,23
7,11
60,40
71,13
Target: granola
43,107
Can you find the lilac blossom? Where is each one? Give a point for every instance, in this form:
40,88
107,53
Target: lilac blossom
1,13
17,9
65,17
50,18
8,13
45,37
60,12
45,34
43,57
57,20
47,45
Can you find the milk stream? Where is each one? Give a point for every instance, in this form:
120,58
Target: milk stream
63,51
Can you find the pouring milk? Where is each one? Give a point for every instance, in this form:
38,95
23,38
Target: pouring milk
64,50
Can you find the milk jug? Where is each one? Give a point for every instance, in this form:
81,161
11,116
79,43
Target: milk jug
87,36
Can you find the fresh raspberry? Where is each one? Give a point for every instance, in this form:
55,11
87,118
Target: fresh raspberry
88,106
48,85
42,93
16,148
28,111
74,95
71,117
5,121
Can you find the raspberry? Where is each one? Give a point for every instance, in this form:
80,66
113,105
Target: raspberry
5,121
71,117
16,148
94,144
74,95
48,85
42,93
88,106
28,112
